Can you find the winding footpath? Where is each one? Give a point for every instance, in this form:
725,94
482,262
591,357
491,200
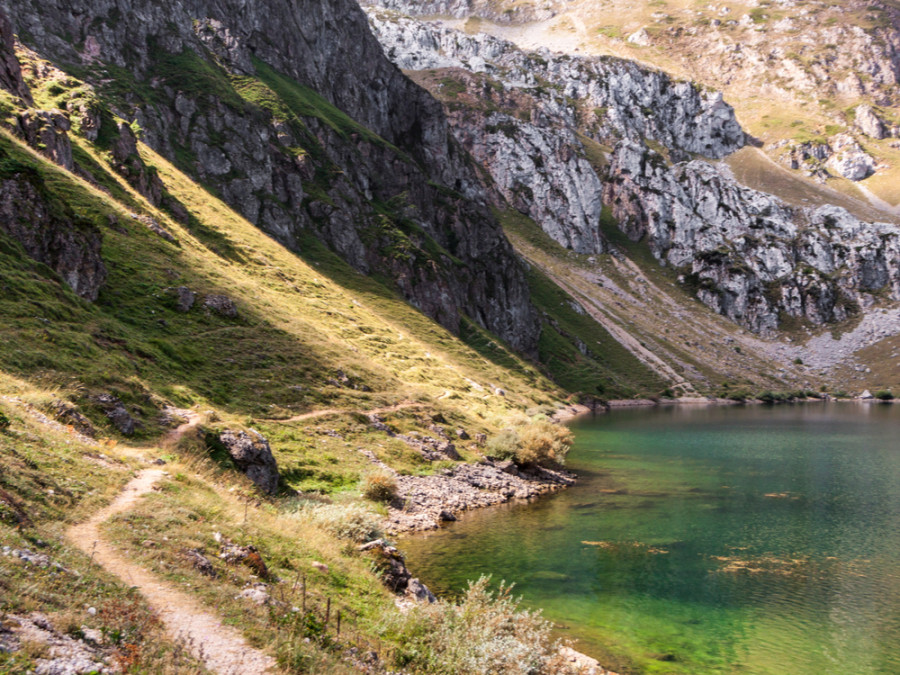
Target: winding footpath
222,649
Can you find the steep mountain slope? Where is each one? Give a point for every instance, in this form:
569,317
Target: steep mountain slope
292,115
766,263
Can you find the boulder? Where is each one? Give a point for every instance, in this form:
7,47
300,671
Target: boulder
245,555
640,38
117,413
221,305
389,563
257,594
184,298
866,395
850,160
200,562
869,123
252,454
419,591
68,414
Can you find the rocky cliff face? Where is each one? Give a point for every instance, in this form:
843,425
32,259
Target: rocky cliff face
626,99
59,240
290,111
527,10
48,231
519,116
744,253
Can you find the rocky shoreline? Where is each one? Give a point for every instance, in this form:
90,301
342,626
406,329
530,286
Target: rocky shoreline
424,502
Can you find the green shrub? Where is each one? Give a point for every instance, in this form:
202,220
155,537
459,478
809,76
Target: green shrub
740,395
484,634
884,395
379,486
504,445
4,422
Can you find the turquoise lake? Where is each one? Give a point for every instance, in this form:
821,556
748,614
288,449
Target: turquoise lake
756,540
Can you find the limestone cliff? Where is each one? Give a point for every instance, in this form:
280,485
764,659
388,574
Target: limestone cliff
530,118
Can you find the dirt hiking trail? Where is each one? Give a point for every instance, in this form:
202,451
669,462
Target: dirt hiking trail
222,649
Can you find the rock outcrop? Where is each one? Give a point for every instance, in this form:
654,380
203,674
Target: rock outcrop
251,453
391,565
427,501
628,99
117,413
51,233
47,131
10,70
745,253
352,150
518,112
518,12
869,123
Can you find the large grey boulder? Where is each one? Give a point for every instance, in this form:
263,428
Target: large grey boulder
252,454
849,159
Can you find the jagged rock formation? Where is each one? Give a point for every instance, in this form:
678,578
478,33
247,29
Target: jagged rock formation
748,255
532,156
869,123
10,69
54,237
744,253
291,112
842,155
49,231
626,99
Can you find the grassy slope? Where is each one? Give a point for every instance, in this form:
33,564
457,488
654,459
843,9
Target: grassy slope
48,480
302,319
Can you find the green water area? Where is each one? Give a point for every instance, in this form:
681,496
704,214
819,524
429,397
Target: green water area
758,540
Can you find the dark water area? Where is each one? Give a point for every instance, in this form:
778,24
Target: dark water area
757,540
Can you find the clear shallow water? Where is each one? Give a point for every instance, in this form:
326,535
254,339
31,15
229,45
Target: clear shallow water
757,540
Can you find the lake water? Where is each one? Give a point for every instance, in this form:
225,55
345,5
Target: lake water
754,540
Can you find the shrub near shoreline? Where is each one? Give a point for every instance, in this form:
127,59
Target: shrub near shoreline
538,442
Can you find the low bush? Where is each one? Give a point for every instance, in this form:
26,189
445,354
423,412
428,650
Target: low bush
4,422
544,443
504,445
485,633
884,395
379,486
352,521
538,442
